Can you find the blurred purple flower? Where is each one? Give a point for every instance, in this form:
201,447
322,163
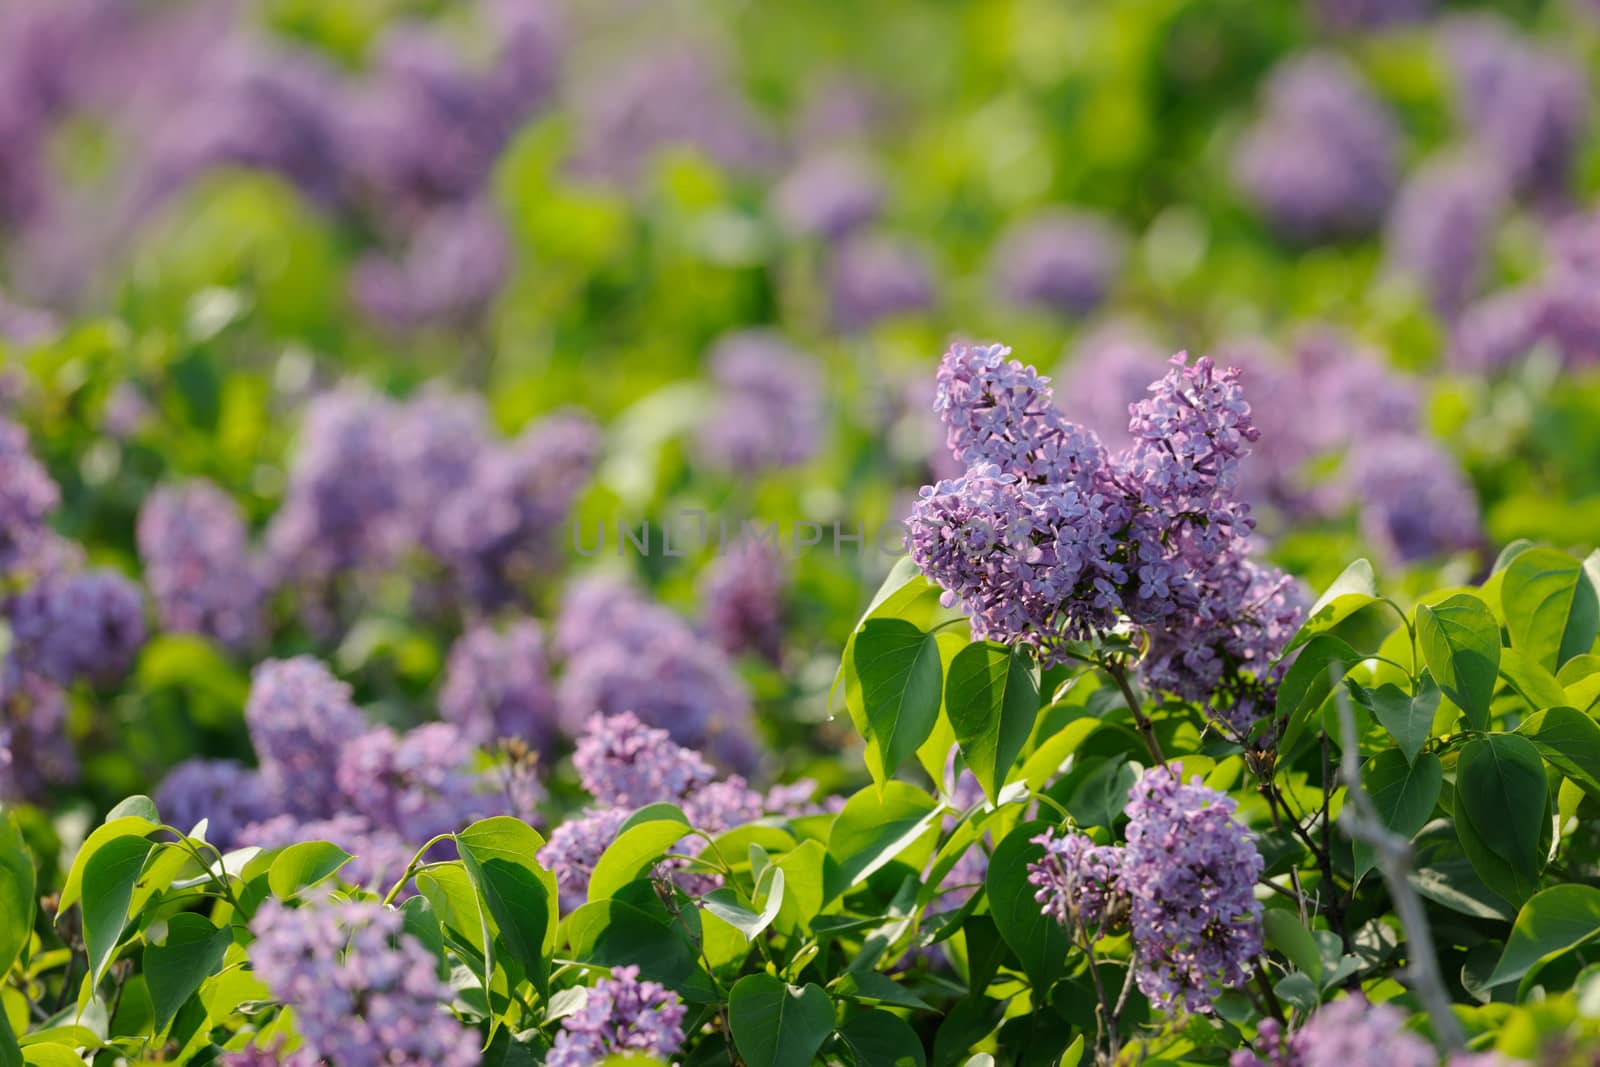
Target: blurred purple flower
1415,502
85,625
497,686
227,794
449,274
380,855
574,848
876,277
1322,160
1528,106
1061,261
1110,369
768,408
36,754
28,496
623,763
197,564
829,196
1440,228
741,600
365,992
1350,1032
300,718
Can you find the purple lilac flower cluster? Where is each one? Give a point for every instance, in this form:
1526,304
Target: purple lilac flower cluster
1323,159
741,600
1189,870
626,653
1059,261
224,792
373,480
27,498
448,274
35,751
620,1016
1350,1032
872,277
364,992
828,196
1555,310
768,409
1527,106
625,764
88,624
679,97
1046,539
300,718
497,686
1440,227
1183,885
1080,884
198,566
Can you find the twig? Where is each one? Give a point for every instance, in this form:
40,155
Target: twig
1147,729
1394,861
1267,991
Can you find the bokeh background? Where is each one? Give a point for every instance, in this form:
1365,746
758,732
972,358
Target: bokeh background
330,319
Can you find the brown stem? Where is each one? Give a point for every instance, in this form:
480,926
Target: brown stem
1147,729
1267,991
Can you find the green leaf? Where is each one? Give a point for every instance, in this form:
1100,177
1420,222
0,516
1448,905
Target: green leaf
1309,680
1553,921
17,887
137,805
1404,793
303,865
992,698
901,681
1289,936
498,854
778,1025
802,886
1551,610
128,826
725,905
1570,740
1038,940
1501,811
615,932
1354,589
636,851
108,880
51,1056
1536,685
875,827
879,1038
174,968
1461,644
1408,718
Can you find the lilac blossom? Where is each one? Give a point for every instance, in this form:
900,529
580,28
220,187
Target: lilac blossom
1440,229
623,763
1189,870
419,784
497,686
741,600
876,277
1059,261
342,506
829,196
1350,1032
1371,14
575,847
625,653
498,531
27,498
679,97
620,1016
227,794
1080,884
20,324
439,438
767,411
449,273
197,564
1045,539
365,993
36,753
1322,160
1528,106
300,718
1415,501
86,625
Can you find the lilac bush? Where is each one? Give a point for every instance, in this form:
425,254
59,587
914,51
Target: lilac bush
767,409
198,564
300,718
